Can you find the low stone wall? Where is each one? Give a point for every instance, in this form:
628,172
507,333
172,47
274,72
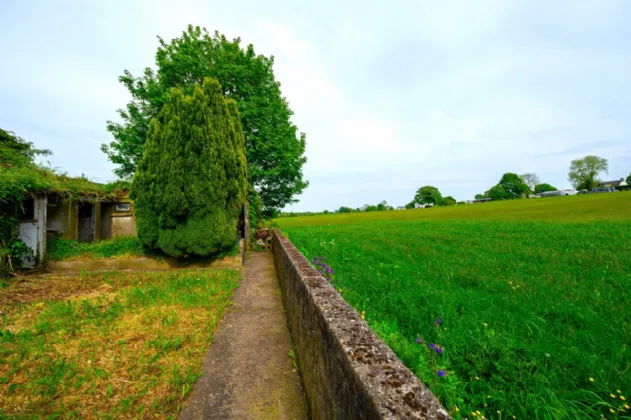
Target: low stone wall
348,372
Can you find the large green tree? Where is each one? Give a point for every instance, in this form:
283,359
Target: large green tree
448,201
275,149
191,181
428,195
629,179
584,172
498,193
513,185
539,188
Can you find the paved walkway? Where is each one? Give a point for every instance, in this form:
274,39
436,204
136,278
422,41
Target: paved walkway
248,373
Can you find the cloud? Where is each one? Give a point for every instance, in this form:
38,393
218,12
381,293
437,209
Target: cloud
392,96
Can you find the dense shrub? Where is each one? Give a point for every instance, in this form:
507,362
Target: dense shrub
191,182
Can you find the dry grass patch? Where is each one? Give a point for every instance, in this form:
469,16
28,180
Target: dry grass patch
125,345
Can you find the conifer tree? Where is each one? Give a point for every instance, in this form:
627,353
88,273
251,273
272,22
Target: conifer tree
191,182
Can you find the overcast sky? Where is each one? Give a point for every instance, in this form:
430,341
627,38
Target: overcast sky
392,95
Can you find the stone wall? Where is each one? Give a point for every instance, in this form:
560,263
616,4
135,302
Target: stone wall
348,372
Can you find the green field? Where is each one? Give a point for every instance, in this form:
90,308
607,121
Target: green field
534,298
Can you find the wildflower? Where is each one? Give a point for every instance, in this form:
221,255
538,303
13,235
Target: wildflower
499,412
612,395
622,397
477,379
627,406
488,396
436,348
547,354
419,340
478,411
474,414
457,409
618,391
438,322
591,379
441,373
611,409
485,324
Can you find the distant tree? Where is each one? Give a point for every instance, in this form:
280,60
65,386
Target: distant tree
584,172
343,209
383,206
448,201
410,205
358,209
629,179
191,182
275,148
539,188
530,179
428,195
479,196
371,208
461,202
325,212
513,185
498,193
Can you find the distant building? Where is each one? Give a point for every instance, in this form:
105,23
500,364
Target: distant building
400,207
613,184
481,200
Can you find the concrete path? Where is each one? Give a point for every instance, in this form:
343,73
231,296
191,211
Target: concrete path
248,373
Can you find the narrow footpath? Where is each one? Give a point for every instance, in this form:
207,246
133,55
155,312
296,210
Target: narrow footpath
248,373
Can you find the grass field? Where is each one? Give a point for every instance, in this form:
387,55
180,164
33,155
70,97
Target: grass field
119,247
528,301
112,345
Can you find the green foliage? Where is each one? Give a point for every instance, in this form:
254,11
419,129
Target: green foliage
629,179
448,201
497,193
411,205
428,195
343,209
584,172
20,176
479,196
539,188
535,307
274,147
58,249
191,183
513,185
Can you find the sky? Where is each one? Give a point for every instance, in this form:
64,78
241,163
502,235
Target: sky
392,95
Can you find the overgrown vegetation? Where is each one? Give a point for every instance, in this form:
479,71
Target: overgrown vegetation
111,345
68,249
20,176
191,183
274,146
515,308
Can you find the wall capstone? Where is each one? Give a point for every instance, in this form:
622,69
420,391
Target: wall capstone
348,372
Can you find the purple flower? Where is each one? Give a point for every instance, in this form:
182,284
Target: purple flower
418,340
438,349
315,259
322,258
438,322
441,373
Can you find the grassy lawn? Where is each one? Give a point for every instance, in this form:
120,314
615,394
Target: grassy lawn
120,247
107,345
533,298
